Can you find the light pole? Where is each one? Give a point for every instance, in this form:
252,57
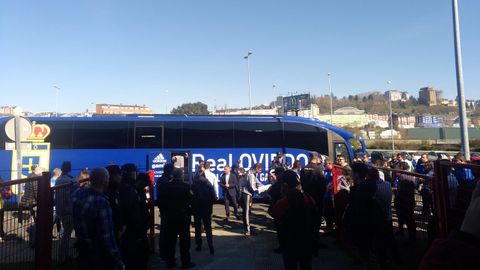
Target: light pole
331,97
460,93
57,90
391,116
249,81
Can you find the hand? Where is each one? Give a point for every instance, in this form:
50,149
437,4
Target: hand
216,198
227,185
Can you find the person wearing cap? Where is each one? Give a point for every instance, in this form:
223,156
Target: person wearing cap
175,201
294,215
92,216
229,183
133,242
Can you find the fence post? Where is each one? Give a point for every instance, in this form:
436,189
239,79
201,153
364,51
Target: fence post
151,176
440,194
43,245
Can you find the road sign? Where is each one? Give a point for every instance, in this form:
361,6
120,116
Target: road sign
25,129
297,102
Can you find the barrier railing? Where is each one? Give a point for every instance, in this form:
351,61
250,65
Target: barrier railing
452,195
20,219
424,208
37,235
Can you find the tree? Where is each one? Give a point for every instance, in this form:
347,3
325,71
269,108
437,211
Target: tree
191,108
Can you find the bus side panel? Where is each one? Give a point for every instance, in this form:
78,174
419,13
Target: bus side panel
5,164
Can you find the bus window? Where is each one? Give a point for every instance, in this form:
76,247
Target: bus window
302,136
172,134
148,137
100,134
258,134
207,134
61,134
341,149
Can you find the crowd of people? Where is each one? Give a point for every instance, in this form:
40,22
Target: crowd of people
109,208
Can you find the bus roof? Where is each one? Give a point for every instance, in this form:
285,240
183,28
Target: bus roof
174,117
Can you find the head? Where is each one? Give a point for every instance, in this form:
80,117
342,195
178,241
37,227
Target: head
278,173
84,174
341,160
365,158
168,169
313,157
403,166
207,165
130,170
33,168
143,180
177,174
227,169
297,164
328,164
424,158
359,172
99,179
373,174
56,173
66,167
291,180
115,174
459,158
257,167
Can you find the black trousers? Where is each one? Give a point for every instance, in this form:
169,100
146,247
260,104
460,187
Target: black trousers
2,217
173,229
328,212
206,219
230,199
406,215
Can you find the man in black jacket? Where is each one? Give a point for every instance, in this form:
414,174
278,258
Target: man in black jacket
175,200
313,182
203,198
229,183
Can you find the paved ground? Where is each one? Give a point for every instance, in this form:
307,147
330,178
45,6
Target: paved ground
233,250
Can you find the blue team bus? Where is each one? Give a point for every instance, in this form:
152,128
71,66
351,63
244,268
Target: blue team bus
151,141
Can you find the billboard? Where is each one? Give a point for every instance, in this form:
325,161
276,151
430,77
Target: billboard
297,102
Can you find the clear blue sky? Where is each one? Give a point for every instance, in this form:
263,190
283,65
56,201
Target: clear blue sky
134,51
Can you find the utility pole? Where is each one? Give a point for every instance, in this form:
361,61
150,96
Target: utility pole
459,73
331,98
391,116
247,57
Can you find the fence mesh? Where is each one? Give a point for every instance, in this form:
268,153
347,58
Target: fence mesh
18,216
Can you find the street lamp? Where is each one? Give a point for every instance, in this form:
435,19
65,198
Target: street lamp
57,90
331,97
460,93
391,116
247,57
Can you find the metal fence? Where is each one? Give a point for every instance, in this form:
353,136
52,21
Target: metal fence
37,236
21,218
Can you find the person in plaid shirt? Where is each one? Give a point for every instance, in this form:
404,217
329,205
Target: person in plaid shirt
92,215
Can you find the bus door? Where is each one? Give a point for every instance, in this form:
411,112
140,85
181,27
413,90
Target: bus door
181,159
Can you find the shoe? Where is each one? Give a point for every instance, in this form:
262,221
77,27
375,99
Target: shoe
188,265
247,233
198,248
226,219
